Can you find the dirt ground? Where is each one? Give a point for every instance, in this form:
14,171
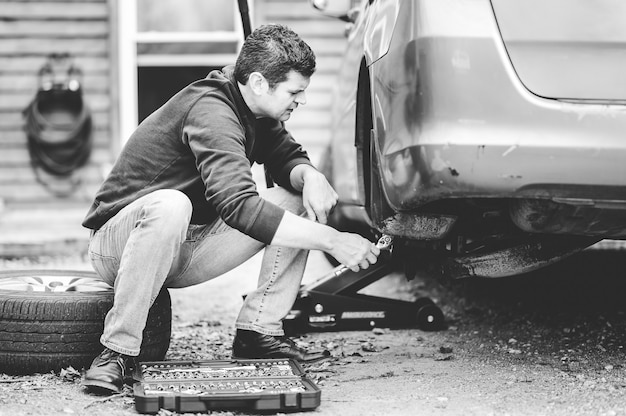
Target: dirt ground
548,343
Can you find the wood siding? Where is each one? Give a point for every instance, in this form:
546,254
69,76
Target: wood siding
29,32
32,29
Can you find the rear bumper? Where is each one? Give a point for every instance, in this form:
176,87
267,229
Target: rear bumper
591,176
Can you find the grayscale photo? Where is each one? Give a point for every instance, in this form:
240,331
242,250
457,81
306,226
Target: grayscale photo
313,207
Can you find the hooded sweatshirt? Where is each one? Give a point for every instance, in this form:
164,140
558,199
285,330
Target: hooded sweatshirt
203,142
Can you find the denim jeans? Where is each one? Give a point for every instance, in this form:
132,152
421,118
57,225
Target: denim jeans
150,244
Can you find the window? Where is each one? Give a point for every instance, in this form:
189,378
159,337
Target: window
166,44
187,32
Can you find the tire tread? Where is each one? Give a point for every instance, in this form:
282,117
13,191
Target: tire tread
47,331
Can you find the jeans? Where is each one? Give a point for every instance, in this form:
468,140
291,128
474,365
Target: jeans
150,244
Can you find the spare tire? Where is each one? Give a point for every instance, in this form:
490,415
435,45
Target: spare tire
52,319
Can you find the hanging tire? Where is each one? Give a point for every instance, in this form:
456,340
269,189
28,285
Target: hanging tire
52,319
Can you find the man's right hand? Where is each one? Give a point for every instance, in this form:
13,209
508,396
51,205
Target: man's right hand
354,251
351,250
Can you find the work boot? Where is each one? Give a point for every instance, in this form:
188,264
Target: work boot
251,344
108,372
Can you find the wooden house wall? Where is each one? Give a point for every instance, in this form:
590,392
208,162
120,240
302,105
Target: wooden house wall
32,29
29,31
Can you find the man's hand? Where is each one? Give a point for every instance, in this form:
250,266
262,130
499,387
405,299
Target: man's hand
318,197
351,250
354,251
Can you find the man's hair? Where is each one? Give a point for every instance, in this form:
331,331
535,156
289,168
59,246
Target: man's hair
274,50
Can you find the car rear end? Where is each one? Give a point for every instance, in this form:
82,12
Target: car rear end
523,101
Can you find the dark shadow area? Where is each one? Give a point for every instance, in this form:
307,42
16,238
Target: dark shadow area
156,85
575,308
590,283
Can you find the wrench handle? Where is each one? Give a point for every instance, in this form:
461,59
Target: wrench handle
384,243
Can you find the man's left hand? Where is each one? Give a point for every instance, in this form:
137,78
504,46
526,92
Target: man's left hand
318,197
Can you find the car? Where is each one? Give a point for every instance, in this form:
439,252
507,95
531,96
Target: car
488,137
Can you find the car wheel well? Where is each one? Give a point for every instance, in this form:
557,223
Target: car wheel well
362,136
367,164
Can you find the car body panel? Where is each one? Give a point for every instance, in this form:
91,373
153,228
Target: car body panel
570,49
379,29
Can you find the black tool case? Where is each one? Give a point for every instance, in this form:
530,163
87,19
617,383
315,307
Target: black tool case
244,385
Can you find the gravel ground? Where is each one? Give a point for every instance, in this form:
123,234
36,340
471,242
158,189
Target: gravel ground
548,343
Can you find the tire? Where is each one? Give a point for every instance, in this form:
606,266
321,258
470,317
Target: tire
52,319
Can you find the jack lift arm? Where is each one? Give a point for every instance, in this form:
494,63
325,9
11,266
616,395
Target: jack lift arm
332,302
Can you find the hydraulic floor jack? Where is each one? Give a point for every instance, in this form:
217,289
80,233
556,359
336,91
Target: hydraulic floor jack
332,302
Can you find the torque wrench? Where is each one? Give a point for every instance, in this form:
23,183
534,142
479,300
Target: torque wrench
385,242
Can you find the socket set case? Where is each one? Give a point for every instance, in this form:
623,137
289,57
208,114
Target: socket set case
199,386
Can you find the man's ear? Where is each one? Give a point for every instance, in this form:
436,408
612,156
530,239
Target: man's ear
258,83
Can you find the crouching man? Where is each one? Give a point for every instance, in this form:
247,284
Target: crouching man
180,207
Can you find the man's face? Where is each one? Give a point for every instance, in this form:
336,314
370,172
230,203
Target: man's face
278,103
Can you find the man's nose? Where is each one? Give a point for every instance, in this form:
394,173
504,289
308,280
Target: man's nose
301,98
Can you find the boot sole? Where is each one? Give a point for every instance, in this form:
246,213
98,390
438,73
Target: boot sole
316,360
101,387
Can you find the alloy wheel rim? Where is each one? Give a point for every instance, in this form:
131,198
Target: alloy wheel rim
53,283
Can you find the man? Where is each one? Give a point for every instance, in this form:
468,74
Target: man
180,206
